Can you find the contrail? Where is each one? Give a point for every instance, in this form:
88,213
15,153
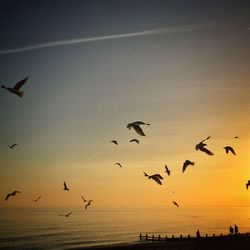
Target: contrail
165,30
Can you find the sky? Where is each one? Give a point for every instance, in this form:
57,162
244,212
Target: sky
95,66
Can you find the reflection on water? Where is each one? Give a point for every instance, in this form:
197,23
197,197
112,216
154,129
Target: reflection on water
34,228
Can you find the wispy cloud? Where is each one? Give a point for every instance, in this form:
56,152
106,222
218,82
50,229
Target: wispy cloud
165,30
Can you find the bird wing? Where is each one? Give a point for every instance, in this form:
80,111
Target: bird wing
158,176
175,203
138,129
86,206
232,150
8,195
84,199
205,150
134,140
157,180
20,84
65,185
145,174
184,167
140,123
119,164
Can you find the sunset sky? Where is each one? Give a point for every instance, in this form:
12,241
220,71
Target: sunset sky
93,67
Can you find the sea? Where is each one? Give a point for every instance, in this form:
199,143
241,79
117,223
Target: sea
44,228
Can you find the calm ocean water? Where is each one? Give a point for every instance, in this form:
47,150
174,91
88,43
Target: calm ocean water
40,228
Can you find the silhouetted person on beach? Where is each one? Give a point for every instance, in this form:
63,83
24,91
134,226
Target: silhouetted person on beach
198,234
231,230
236,229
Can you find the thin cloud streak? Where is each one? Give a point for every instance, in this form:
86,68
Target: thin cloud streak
165,30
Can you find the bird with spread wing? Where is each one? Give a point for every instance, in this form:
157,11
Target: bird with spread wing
156,177
17,88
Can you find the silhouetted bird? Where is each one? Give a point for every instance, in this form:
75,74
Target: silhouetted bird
186,164
119,164
175,203
236,137
247,184
37,199
156,177
114,141
89,203
167,170
65,215
136,127
16,89
65,186
201,146
134,140
11,194
13,145
229,149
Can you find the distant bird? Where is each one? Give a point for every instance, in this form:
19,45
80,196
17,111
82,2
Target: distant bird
134,140
156,177
89,203
167,170
16,89
65,215
13,145
236,137
65,186
119,164
136,126
201,146
186,164
37,199
229,149
175,203
11,194
114,141
247,184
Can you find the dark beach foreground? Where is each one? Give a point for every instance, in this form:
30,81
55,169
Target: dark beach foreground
228,243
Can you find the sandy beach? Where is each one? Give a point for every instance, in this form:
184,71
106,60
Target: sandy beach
229,243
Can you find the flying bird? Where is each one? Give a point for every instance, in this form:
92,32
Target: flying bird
134,140
175,203
89,203
247,184
65,215
202,147
17,88
136,126
65,186
167,170
119,164
114,141
11,194
13,145
229,149
156,177
236,137
186,164
37,199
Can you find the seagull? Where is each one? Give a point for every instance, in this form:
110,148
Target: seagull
89,203
175,203
167,170
229,149
114,141
247,184
65,186
201,146
65,215
119,164
134,140
186,164
136,127
11,194
13,145
16,89
37,199
156,177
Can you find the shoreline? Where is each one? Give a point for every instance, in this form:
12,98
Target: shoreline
220,243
